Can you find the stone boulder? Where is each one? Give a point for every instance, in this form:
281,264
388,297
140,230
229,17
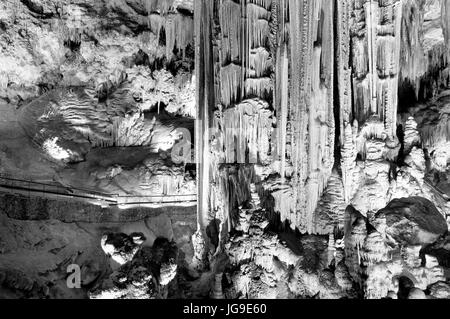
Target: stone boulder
416,293
145,276
440,249
440,290
122,247
411,221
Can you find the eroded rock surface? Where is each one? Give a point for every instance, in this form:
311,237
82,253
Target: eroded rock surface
320,133
144,273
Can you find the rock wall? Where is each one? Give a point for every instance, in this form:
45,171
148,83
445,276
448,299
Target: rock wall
41,238
320,131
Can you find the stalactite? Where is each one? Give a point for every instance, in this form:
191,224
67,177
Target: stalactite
231,190
217,291
247,129
271,64
393,66
230,83
251,44
179,31
376,34
343,70
244,117
259,87
230,22
371,11
372,129
311,104
283,202
260,62
413,59
258,26
161,6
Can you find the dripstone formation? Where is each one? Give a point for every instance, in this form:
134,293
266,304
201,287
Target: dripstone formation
225,148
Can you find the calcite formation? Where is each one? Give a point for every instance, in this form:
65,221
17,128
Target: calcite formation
389,248
307,142
144,273
342,129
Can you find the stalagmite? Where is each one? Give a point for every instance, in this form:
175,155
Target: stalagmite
230,16
255,59
412,136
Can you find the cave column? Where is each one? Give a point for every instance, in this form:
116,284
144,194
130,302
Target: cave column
203,10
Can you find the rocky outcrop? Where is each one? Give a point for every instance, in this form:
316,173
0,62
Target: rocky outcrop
383,252
43,242
320,132
121,247
71,43
411,221
144,272
77,84
263,264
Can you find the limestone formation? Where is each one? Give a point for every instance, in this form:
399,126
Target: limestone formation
225,149
140,274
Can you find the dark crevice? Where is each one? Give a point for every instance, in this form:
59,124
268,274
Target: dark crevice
162,37
406,96
74,46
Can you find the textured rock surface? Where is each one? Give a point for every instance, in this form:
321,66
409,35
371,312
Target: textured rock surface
264,265
75,82
320,131
39,239
411,221
121,247
143,275
440,290
379,255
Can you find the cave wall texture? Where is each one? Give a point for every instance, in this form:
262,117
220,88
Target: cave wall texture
225,148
